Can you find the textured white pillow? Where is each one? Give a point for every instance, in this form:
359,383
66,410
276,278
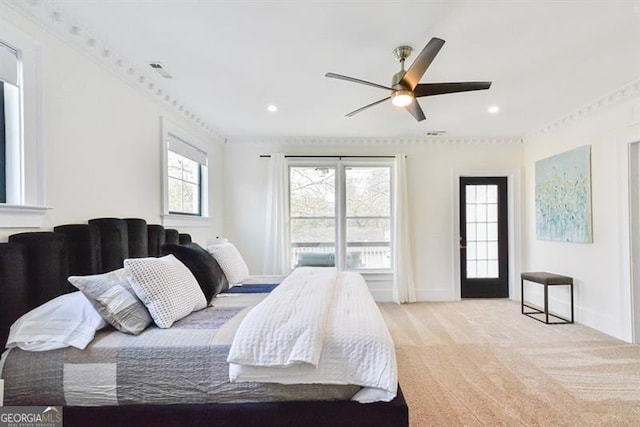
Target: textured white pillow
68,320
231,262
166,287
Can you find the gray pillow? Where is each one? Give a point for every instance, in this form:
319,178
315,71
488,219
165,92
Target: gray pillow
112,296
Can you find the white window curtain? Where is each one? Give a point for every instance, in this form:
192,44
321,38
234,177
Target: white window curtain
276,246
403,284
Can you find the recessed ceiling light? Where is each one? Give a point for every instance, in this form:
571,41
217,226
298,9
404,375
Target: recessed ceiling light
494,109
272,108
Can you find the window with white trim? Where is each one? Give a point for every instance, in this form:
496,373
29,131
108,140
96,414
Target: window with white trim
185,173
185,167
21,154
11,136
340,215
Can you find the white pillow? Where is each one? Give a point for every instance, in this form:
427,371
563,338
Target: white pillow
68,320
166,287
231,262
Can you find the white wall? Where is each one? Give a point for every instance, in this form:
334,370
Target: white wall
599,269
101,140
431,185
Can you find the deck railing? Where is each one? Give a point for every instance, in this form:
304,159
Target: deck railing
360,255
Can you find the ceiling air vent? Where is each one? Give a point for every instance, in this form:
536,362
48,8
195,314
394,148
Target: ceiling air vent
160,69
435,132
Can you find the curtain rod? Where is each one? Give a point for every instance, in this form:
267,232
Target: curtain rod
333,157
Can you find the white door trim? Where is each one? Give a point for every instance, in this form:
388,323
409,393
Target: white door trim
634,232
630,276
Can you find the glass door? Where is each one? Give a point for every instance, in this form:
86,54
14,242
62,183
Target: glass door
484,252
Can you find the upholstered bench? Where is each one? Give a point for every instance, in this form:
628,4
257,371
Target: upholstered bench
546,279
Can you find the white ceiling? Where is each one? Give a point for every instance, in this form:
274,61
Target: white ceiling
231,59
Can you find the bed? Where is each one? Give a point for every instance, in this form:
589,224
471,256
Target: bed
34,268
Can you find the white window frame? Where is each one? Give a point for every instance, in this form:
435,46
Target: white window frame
170,130
340,214
25,207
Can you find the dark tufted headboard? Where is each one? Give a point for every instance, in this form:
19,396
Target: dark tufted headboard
34,266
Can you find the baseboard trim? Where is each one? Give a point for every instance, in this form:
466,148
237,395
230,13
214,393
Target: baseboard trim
382,295
438,294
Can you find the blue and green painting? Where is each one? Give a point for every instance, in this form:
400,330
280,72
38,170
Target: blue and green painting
563,197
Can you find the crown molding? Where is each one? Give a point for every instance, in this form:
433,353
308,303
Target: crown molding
615,97
72,33
368,141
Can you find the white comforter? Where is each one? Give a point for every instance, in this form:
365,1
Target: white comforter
317,327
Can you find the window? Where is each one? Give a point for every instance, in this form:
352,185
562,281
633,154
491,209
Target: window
184,183
482,231
3,149
340,215
313,215
22,198
185,172
368,217
10,135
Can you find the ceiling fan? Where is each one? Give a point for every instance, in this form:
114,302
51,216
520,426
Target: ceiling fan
405,86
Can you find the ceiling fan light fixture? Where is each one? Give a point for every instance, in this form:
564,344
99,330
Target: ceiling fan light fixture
402,98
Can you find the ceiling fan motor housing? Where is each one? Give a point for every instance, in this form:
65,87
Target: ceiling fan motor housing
401,96
396,80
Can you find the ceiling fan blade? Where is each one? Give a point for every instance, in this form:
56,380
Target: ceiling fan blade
429,89
354,112
415,110
422,62
353,79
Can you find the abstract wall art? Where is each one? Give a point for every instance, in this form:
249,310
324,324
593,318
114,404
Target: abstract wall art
563,197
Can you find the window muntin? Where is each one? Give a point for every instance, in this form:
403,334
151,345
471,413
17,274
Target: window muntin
340,215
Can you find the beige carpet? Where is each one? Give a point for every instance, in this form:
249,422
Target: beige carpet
482,363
